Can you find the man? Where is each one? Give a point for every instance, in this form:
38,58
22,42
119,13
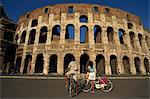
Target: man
72,69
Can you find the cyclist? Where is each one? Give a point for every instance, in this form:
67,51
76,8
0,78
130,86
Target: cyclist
72,70
91,74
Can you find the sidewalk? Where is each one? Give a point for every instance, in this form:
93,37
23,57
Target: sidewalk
62,77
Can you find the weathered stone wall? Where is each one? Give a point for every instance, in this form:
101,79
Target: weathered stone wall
58,15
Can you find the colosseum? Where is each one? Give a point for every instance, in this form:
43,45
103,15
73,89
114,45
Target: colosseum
114,40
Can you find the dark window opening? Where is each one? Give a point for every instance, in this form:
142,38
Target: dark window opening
100,64
43,35
53,64
137,63
97,34
23,36
130,26
70,9
32,36
107,10
69,32
27,64
146,64
132,35
84,19
84,34
84,59
16,37
140,39
110,34
46,10
128,18
113,64
95,9
17,64
126,65
121,34
34,23
39,63
56,32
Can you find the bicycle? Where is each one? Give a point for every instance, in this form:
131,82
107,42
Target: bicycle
102,83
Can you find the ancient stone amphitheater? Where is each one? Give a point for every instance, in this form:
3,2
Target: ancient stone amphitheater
114,40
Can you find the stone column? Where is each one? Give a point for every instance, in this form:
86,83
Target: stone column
142,67
32,71
22,62
60,64
132,66
144,45
49,36
46,64
119,60
62,35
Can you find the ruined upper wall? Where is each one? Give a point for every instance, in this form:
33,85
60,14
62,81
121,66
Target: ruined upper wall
83,9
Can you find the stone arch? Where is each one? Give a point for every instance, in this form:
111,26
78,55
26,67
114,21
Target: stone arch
84,36
113,64
97,34
126,64
121,34
83,18
132,36
84,59
100,64
27,63
137,63
39,63
18,64
146,64
23,36
32,36
56,32
67,59
53,63
140,39
110,34
70,31
43,34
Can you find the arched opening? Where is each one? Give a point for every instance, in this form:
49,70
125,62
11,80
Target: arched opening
84,19
84,59
46,10
110,34
97,34
69,31
32,36
34,23
132,35
121,34
27,64
17,64
147,40
146,64
140,39
43,35
39,63
130,26
56,32
84,34
126,65
100,64
113,64
23,36
67,59
137,63
53,64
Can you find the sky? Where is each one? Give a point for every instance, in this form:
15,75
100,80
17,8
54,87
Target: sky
16,8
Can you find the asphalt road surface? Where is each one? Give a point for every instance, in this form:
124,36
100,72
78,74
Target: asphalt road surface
48,89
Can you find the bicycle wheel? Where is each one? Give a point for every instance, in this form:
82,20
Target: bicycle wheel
86,86
108,87
71,89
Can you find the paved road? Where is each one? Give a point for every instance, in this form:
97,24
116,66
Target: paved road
47,89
